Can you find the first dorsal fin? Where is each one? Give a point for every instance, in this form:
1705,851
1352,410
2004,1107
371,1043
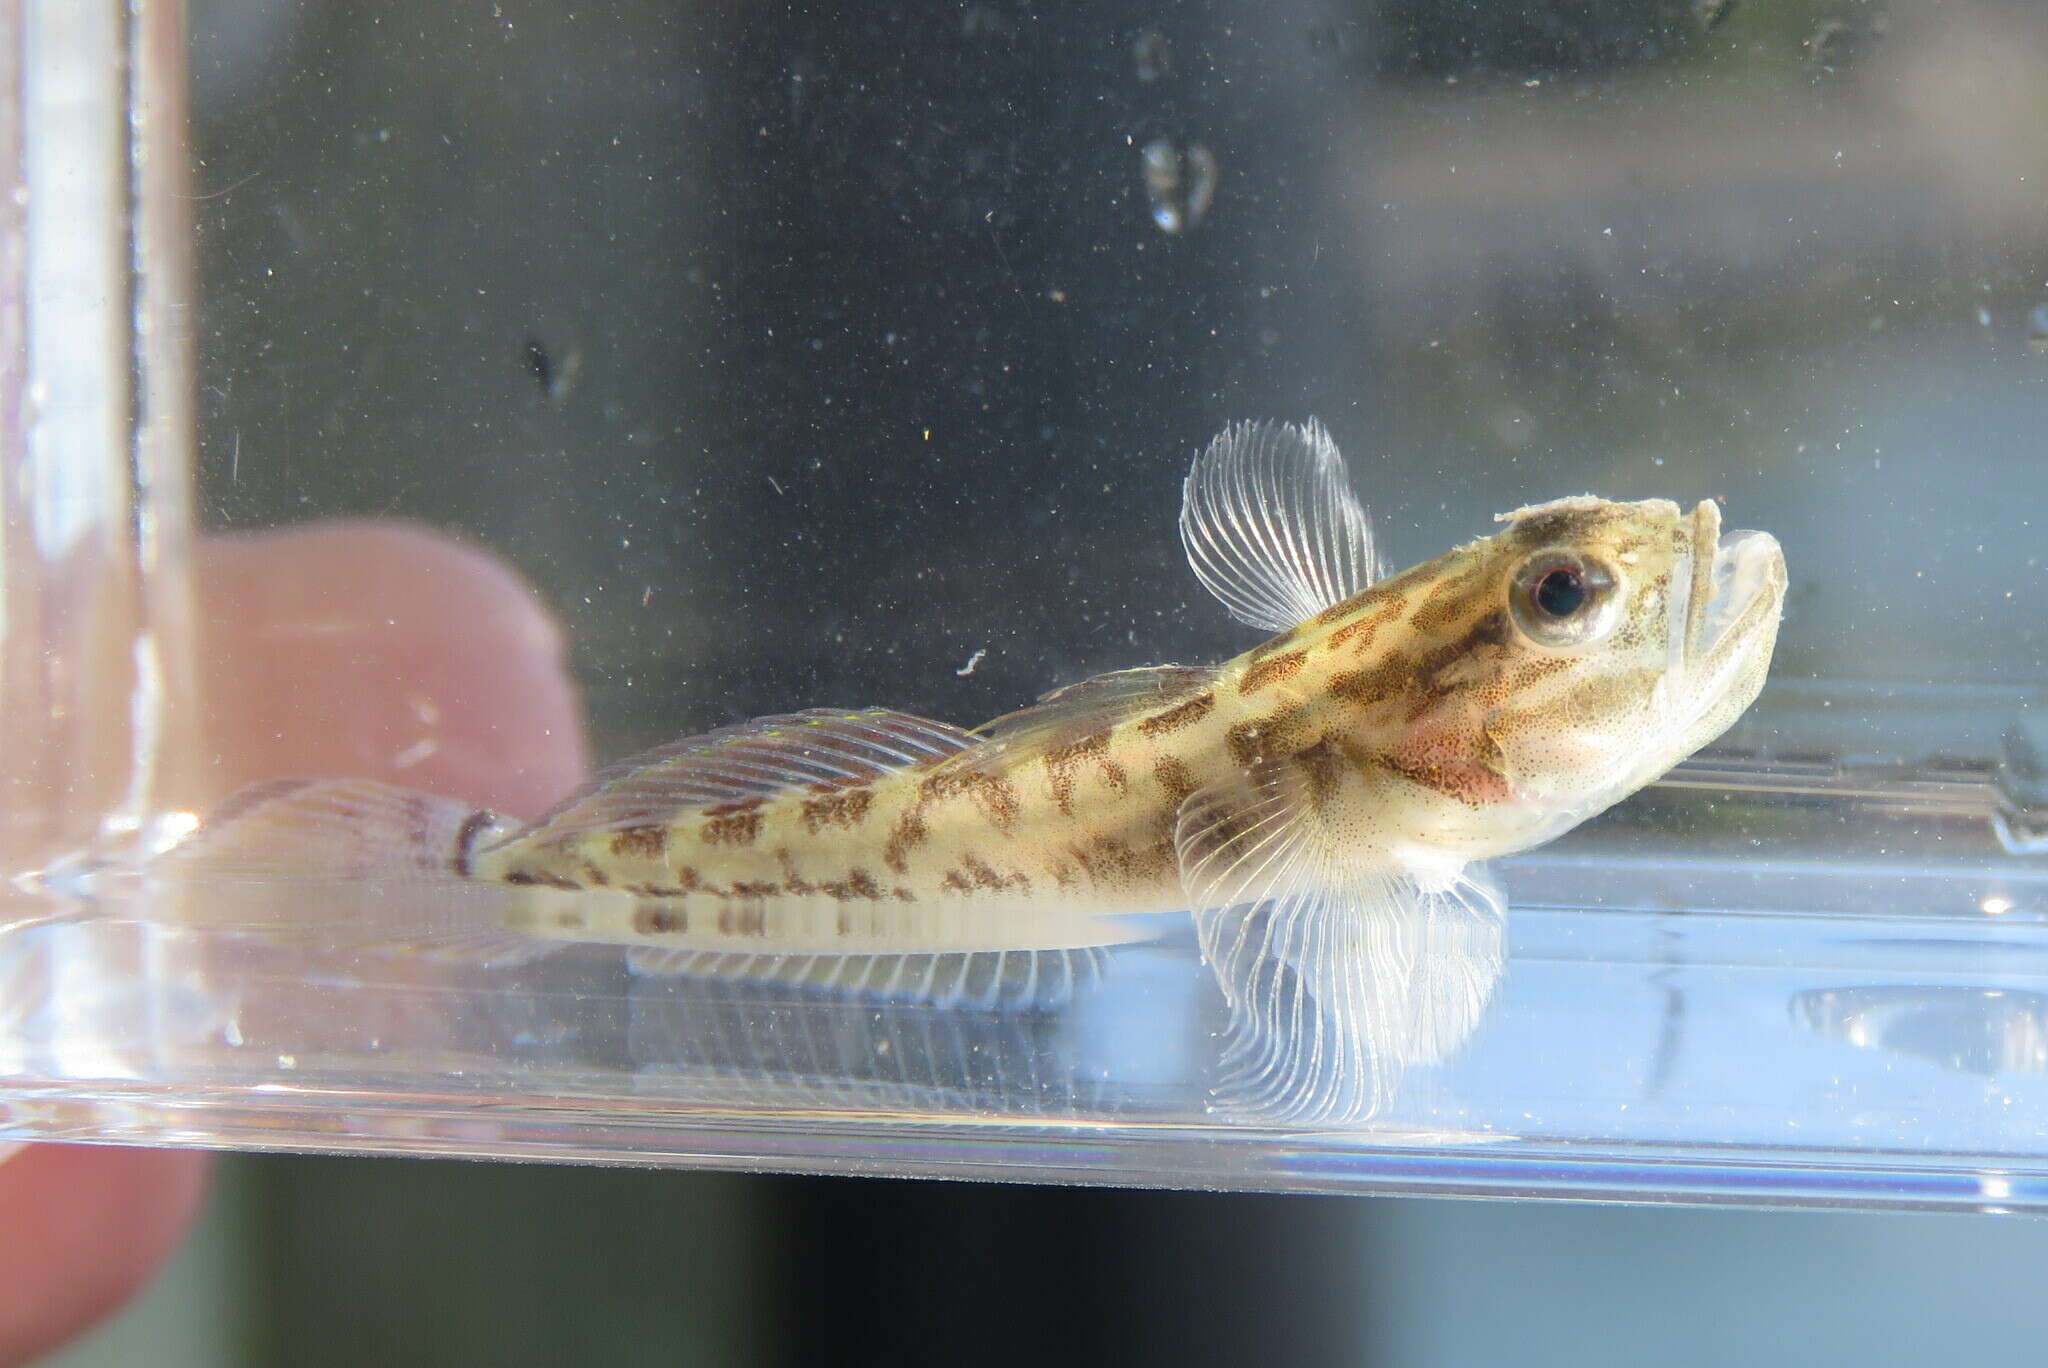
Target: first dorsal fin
833,748
1271,526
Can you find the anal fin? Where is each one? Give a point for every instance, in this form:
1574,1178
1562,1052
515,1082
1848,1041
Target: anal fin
989,980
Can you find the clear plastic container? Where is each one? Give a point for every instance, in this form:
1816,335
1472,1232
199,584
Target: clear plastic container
797,361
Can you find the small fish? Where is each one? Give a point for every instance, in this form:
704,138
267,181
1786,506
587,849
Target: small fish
1317,803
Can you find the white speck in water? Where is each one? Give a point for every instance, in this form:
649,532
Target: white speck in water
972,661
1983,317
1997,905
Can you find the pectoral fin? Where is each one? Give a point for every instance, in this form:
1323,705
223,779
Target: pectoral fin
1336,981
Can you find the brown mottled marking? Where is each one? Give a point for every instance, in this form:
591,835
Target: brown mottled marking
593,875
1358,634
1061,761
903,895
547,878
910,832
660,921
857,884
848,808
744,889
1320,767
648,890
956,881
992,793
1243,741
1274,734
732,828
742,919
1470,783
640,843
1178,716
1453,666
1525,675
790,878
1374,684
1391,602
569,919
1174,777
1110,861
1448,601
985,877
1337,612
1272,671
1272,645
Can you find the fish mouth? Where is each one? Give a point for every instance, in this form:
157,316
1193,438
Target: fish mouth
1725,588
1734,579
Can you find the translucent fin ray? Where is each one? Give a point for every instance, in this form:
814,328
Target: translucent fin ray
344,863
987,980
757,759
1334,995
1271,526
1336,982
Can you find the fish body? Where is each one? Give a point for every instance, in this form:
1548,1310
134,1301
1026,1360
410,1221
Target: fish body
1315,802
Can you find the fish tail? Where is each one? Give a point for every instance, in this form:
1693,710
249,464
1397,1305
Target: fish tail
340,862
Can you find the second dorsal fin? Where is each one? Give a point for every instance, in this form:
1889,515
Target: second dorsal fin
1067,714
822,747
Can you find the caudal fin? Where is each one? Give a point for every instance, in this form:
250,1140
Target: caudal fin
342,862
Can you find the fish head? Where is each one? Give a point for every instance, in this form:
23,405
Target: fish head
1544,673
1631,635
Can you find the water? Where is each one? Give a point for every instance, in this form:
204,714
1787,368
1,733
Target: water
846,357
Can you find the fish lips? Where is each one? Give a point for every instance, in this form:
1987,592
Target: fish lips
1728,583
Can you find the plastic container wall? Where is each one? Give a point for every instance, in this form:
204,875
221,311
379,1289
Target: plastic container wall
841,358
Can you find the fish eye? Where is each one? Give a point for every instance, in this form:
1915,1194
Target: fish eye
1561,599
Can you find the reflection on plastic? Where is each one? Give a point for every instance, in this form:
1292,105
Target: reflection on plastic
1972,1030
92,1000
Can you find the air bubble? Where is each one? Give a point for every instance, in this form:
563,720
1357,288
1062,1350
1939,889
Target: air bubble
1153,55
1181,183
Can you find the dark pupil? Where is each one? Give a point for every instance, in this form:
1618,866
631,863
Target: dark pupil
1561,593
